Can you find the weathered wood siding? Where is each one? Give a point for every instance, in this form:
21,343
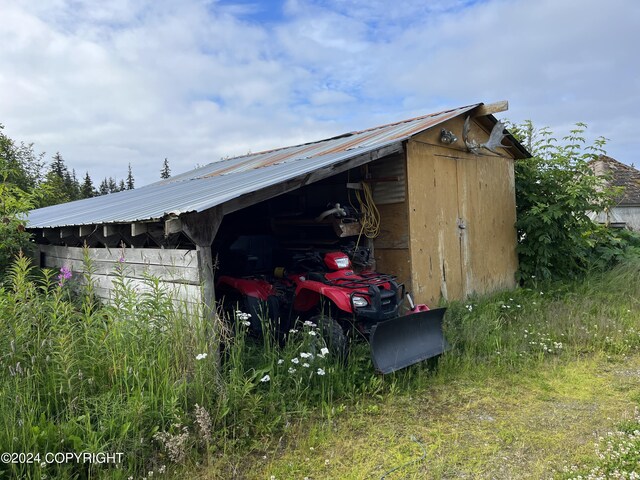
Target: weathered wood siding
177,269
461,217
391,247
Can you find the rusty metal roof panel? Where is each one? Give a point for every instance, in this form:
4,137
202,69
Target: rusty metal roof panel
218,182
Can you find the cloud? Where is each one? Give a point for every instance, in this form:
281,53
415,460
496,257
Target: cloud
108,83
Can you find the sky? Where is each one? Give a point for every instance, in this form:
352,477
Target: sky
112,83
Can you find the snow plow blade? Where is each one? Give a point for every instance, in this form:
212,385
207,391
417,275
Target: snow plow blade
406,340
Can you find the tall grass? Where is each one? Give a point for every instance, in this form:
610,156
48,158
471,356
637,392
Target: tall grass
141,375
545,321
78,376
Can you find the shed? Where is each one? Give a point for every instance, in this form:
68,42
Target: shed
447,215
626,211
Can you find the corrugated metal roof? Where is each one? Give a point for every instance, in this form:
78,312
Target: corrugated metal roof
219,182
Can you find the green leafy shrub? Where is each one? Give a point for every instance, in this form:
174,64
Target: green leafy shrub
14,205
556,190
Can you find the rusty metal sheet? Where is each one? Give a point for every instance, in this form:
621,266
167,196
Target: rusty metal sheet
218,182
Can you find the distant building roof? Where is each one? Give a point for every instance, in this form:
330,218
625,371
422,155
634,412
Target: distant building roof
221,181
622,175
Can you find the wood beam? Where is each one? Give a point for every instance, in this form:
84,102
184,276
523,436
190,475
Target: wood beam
202,227
51,234
86,230
67,232
172,225
252,198
139,228
491,108
109,230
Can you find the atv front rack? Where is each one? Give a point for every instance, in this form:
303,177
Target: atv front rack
366,280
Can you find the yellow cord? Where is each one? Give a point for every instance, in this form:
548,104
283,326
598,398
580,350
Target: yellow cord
370,215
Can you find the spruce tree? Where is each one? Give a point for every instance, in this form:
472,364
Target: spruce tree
58,167
121,186
113,186
166,171
104,187
87,190
130,181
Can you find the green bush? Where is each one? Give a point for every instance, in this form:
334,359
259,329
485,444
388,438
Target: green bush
556,189
14,205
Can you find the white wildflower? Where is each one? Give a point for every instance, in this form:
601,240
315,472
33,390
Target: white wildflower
266,378
295,360
324,351
306,355
312,333
292,370
201,356
309,323
246,323
305,365
321,371
280,361
293,330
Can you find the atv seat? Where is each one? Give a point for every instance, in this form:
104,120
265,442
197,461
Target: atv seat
316,277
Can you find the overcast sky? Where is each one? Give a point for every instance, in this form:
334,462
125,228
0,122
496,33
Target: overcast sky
107,83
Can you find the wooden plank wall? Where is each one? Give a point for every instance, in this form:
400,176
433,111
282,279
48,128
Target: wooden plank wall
391,247
178,269
449,187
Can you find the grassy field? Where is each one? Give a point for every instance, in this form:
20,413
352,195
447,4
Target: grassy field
519,425
533,379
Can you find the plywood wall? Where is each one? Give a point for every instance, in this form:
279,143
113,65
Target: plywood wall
391,247
461,217
177,269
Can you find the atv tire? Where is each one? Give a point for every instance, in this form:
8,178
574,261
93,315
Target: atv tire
333,335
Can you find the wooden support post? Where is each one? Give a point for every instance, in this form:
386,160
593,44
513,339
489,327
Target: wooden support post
201,228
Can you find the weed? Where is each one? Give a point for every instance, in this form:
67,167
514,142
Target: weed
143,375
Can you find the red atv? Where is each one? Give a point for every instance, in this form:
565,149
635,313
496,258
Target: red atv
326,291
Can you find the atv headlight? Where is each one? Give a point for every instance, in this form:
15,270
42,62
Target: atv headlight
358,301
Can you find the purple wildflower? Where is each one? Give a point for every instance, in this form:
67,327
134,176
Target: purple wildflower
65,274
121,259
